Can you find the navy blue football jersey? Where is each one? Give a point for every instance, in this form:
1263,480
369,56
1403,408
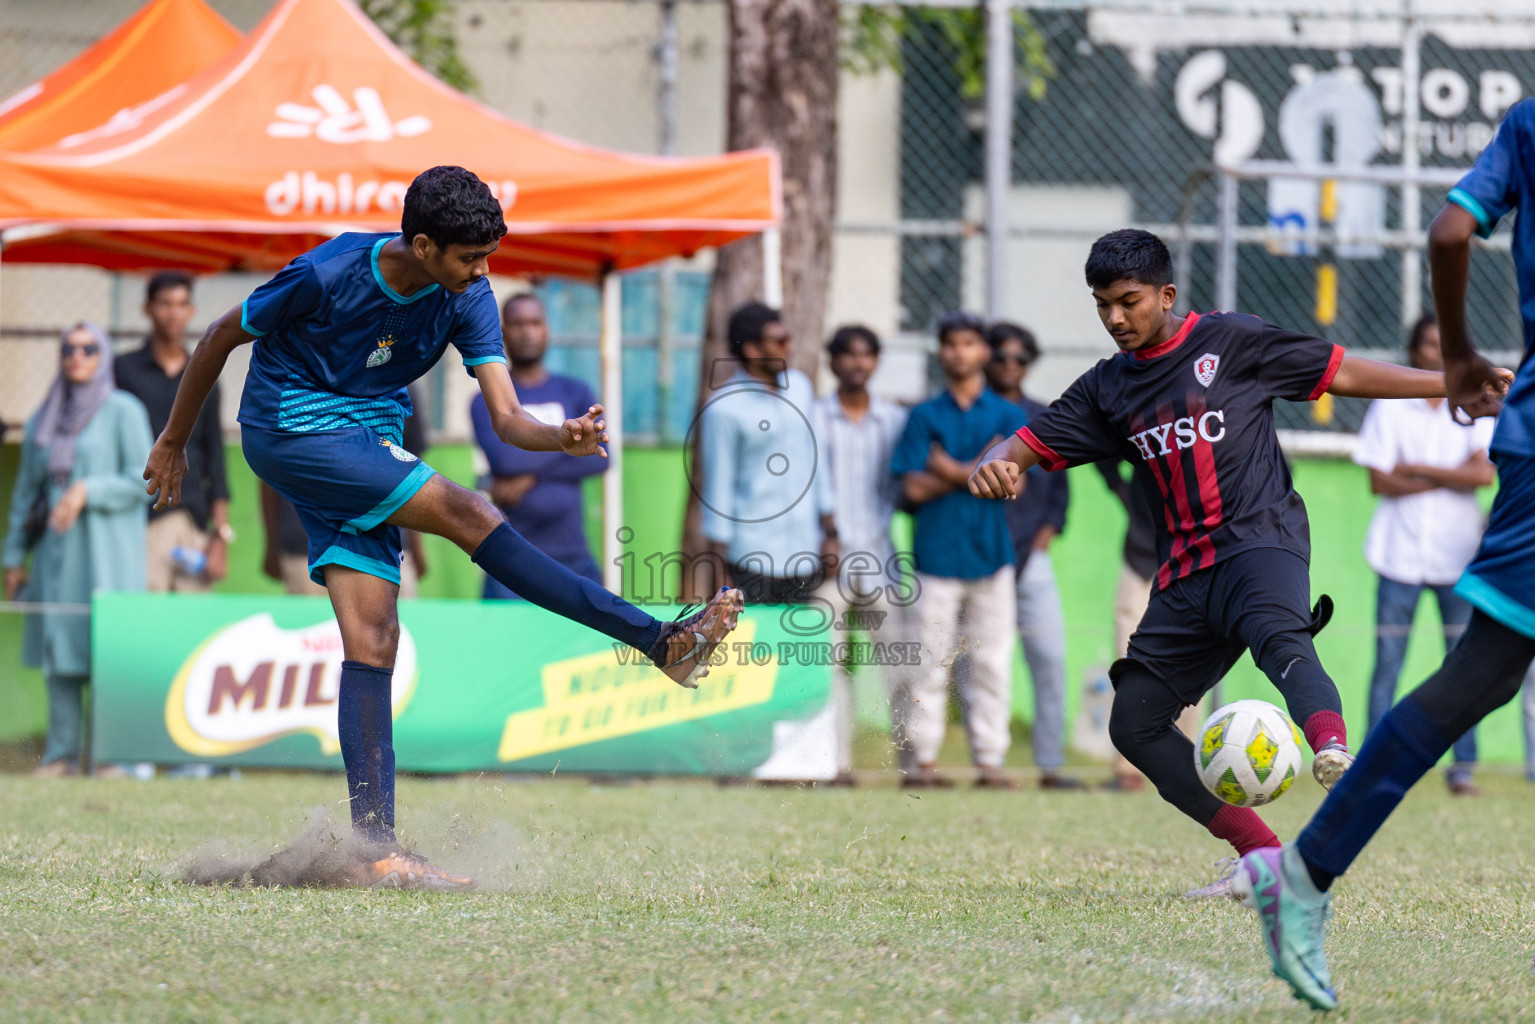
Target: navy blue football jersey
336,345
1196,412
1500,182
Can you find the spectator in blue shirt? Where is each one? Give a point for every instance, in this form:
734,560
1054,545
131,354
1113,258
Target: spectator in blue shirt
766,502
539,493
964,557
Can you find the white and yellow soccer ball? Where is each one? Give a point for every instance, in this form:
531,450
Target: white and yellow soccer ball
1248,753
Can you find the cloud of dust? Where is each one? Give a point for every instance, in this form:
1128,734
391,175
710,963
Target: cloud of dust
325,855
476,840
328,854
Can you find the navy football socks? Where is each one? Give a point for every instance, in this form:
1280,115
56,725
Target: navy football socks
365,722
1482,672
1403,746
507,557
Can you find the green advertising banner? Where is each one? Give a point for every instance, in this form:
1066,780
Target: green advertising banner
499,686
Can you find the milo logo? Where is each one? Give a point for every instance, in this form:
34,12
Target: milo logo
253,682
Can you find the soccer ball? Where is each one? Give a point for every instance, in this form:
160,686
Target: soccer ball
1248,753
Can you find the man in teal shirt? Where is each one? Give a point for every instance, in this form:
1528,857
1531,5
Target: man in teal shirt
964,557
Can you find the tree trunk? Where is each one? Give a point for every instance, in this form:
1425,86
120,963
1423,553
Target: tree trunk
782,93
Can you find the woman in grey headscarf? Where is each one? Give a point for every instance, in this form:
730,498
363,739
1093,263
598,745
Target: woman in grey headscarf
78,510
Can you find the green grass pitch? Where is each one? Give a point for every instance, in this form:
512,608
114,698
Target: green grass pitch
682,901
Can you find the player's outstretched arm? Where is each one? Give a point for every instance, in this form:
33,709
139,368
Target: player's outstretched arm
1358,377
583,436
1472,384
1000,471
167,464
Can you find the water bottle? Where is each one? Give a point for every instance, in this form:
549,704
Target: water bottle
189,560
1091,732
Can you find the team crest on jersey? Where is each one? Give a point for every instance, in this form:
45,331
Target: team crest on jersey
396,450
380,355
1205,367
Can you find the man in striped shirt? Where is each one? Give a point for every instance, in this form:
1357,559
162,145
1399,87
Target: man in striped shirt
857,432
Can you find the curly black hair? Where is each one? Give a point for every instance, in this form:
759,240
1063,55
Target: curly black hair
450,205
959,320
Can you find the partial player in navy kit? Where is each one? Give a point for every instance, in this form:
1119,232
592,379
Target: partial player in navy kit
1190,399
1291,888
339,333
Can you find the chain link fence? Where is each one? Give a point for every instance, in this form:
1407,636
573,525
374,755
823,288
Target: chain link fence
1139,105
1122,126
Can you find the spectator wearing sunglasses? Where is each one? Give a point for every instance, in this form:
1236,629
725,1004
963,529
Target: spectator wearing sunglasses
76,525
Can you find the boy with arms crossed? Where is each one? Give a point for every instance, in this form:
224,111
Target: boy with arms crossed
339,334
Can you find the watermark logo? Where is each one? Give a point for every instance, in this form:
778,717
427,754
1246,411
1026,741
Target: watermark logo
764,444
770,441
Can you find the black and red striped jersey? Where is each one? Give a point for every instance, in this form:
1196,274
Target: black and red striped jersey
1196,412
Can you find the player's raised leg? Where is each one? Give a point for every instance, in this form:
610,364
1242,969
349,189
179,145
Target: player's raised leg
1176,656
1486,668
680,649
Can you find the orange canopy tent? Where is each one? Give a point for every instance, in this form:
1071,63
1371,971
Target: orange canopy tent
315,124
162,45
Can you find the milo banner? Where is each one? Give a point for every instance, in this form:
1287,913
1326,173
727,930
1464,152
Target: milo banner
497,686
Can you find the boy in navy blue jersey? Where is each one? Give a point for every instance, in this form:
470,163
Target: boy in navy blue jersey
1289,887
1190,398
339,334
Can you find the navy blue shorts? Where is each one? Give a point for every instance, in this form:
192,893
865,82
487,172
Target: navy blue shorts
1501,578
344,484
1197,627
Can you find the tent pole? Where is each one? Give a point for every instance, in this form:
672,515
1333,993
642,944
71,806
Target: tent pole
772,268
612,399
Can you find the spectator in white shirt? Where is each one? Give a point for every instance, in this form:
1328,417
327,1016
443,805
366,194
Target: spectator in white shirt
1426,468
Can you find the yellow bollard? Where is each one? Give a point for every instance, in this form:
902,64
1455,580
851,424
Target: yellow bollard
1326,294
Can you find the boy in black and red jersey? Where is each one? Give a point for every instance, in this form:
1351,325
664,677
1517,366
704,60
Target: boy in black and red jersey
1191,398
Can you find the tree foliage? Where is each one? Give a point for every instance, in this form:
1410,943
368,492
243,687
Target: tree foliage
873,39
424,30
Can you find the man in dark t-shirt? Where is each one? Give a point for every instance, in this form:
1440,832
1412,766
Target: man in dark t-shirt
1189,401
196,530
538,493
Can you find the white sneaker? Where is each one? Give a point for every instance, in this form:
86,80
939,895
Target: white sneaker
1220,889
1329,764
